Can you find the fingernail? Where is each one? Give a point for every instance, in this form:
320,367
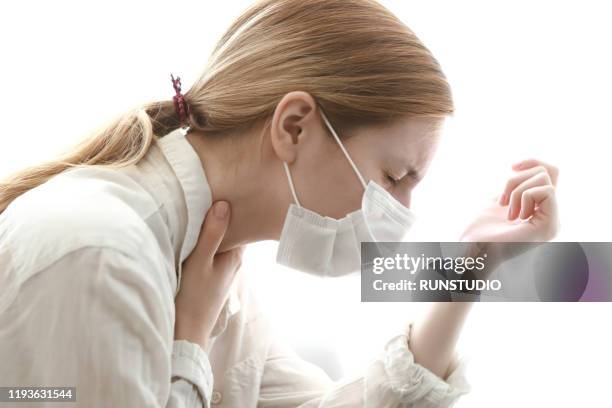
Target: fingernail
221,209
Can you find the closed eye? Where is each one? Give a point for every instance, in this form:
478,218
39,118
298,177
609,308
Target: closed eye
391,179
414,175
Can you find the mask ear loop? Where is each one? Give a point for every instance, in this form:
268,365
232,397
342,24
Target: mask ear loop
331,129
297,202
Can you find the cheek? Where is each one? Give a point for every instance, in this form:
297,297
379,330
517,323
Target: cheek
343,192
369,162
329,186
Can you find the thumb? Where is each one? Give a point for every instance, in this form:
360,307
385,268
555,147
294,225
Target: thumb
230,260
213,229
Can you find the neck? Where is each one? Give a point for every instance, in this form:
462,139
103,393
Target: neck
239,172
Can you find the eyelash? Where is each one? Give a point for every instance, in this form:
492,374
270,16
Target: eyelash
391,179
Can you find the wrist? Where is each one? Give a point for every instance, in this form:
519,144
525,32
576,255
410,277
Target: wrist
192,333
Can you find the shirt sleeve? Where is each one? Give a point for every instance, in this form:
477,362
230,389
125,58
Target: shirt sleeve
192,377
108,321
392,380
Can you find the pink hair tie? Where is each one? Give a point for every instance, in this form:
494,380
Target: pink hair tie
180,104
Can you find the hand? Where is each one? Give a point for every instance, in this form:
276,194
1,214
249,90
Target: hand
525,212
207,276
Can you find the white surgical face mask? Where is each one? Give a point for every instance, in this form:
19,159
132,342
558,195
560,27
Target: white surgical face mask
327,246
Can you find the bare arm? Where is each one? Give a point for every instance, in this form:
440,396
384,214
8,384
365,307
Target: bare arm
530,195
434,336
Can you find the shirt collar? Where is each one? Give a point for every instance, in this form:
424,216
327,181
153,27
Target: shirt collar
189,171
197,198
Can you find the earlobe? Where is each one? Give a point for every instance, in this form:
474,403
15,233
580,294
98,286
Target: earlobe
289,124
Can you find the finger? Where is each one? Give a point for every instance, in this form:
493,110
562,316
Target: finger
527,204
517,180
539,179
553,171
229,261
528,200
213,229
546,215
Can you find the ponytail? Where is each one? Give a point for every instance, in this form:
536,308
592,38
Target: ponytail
120,143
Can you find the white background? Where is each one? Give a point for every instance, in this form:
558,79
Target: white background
531,79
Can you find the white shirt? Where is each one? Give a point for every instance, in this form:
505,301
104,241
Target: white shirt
90,263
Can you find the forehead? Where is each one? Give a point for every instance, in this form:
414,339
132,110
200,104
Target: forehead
409,133
410,139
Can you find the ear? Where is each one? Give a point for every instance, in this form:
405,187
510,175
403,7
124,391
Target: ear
294,120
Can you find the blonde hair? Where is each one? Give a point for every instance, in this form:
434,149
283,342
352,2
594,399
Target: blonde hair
357,59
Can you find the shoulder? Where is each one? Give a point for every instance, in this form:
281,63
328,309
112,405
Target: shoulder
93,299
76,209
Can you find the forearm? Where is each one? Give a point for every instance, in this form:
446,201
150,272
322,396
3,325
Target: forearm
434,336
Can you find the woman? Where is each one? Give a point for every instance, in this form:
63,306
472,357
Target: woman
306,110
